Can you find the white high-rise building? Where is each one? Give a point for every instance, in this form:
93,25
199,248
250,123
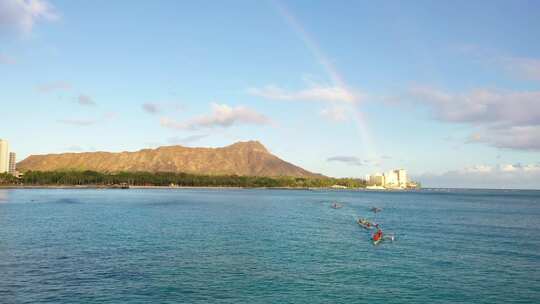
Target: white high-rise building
376,179
4,156
391,178
402,177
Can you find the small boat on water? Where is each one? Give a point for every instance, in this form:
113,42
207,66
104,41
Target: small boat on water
376,209
119,186
336,205
377,237
365,224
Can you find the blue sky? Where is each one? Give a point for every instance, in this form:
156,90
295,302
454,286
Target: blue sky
449,91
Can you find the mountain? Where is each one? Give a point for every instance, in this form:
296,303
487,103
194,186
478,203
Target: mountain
242,158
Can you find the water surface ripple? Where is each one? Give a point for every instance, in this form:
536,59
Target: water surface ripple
267,246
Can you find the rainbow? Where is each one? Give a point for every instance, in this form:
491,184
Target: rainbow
334,75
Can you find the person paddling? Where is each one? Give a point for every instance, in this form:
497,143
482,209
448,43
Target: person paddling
377,236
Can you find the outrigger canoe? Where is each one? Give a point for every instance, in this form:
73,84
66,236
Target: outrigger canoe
365,224
336,205
375,209
377,237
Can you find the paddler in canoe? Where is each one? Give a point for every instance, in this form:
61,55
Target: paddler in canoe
375,209
365,223
377,236
336,205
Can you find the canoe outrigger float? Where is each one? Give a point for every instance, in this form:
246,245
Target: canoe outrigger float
365,223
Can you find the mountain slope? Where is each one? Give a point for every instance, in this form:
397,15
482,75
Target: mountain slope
243,158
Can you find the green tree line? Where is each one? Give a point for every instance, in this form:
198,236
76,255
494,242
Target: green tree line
37,178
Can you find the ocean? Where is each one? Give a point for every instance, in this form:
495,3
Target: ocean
268,246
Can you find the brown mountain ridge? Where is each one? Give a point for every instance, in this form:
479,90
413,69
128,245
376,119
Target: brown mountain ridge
249,158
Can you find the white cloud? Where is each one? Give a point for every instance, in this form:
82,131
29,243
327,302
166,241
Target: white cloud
509,137
508,168
528,68
335,113
508,176
503,119
21,15
478,169
482,105
312,93
85,100
54,86
222,116
339,100
5,59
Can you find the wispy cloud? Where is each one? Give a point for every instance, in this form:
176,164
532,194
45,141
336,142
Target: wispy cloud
486,176
313,93
482,105
509,137
82,99
222,116
5,59
110,116
54,86
339,101
349,160
75,148
528,68
21,15
154,108
79,122
335,113
85,100
151,108
503,119
522,67
84,122
187,139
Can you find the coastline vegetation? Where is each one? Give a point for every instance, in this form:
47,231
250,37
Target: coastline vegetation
93,178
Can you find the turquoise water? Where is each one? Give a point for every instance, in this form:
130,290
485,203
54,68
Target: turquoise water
267,246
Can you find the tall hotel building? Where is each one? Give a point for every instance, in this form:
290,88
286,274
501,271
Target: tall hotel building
4,156
12,163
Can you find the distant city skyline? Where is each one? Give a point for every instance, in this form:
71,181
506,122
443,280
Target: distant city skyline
449,91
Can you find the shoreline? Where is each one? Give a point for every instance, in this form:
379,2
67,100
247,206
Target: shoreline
100,187
96,187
